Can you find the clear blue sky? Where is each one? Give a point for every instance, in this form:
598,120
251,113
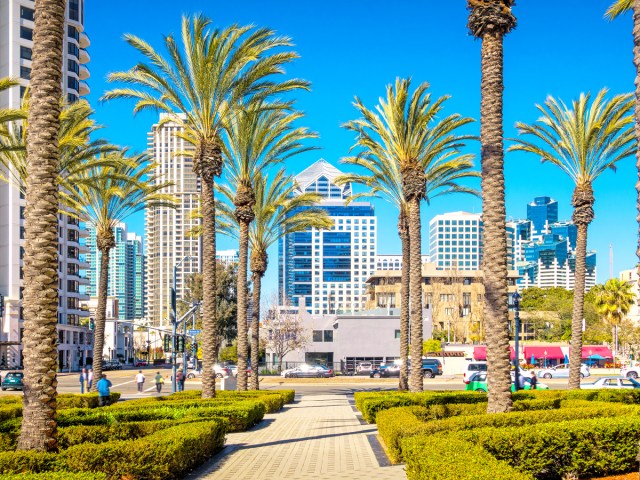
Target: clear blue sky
348,48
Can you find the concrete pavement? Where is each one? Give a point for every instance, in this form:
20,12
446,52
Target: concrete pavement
319,437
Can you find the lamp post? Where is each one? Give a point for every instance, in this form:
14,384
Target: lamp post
79,357
516,315
174,322
545,359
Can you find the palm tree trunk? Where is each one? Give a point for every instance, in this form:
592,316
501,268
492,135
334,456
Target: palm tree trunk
494,219
256,279
39,429
209,297
415,273
575,353
403,231
636,62
101,317
242,305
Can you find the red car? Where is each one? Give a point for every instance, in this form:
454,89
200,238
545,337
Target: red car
142,363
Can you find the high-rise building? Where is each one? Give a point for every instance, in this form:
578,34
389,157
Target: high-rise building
227,257
394,262
167,230
329,268
542,212
134,300
631,276
455,241
16,32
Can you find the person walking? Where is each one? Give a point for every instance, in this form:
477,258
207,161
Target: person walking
104,394
83,379
89,379
180,380
159,382
140,380
533,381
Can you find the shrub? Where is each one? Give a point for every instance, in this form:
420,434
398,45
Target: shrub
29,461
10,399
170,453
431,458
537,404
241,415
56,476
8,412
85,400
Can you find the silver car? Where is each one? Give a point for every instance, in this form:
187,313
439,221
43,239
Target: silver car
611,382
562,371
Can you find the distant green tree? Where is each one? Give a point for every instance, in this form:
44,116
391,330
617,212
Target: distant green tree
431,345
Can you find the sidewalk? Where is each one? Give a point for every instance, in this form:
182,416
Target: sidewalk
317,438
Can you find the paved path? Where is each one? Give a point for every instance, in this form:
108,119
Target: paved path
317,438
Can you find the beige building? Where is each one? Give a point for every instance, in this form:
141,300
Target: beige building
631,276
454,297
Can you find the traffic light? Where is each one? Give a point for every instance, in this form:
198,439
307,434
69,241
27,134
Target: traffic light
167,343
1,305
180,344
92,324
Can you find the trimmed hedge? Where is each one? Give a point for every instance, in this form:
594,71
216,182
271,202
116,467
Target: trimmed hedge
170,453
8,412
82,400
437,458
288,395
21,461
56,476
272,402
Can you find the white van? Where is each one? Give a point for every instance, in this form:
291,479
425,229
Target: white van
473,367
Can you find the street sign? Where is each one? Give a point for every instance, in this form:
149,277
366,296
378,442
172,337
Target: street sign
194,332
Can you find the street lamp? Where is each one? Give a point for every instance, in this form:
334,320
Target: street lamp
79,357
174,322
545,359
516,315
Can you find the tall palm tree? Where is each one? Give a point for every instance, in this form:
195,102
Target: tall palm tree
618,8
613,301
256,137
8,115
278,212
104,196
40,297
490,21
582,141
410,154
196,85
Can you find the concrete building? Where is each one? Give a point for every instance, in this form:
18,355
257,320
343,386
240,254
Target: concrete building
135,291
118,334
16,32
631,276
394,262
455,241
228,257
166,229
454,298
329,268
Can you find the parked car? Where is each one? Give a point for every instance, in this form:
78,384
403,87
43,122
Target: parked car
285,373
12,380
471,368
221,371
310,371
193,374
562,371
141,363
234,369
431,367
630,372
384,371
478,383
612,382
111,365
364,367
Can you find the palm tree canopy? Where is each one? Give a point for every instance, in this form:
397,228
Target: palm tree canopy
105,195
403,131
212,71
9,114
613,299
584,140
618,8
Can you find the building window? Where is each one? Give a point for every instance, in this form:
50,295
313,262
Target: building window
317,335
25,72
73,66
71,98
74,10
328,335
397,334
26,33
26,13
73,83
73,49
25,53
73,33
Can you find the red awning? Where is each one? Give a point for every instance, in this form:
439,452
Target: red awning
548,352
480,352
601,350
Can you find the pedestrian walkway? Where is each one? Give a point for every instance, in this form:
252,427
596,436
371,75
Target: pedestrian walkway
317,438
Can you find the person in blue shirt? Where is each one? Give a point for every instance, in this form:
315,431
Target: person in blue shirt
103,391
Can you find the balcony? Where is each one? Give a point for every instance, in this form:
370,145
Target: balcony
84,89
84,40
84,56
84,72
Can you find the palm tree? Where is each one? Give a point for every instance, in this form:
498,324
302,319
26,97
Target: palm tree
196,85
104,196
256,137
410,155
614,300
618,8
490,21
278,212
583,142
40,297
8,115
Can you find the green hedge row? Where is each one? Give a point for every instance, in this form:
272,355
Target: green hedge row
82,400
272,402
437,458
398,423
288,395
56,476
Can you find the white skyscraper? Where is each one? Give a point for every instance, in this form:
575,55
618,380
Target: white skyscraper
167,230
16,32
455,241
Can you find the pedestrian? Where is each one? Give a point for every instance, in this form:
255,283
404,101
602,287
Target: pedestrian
159,382
140,380
180,380
89,379
533,381
104,393
83,379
